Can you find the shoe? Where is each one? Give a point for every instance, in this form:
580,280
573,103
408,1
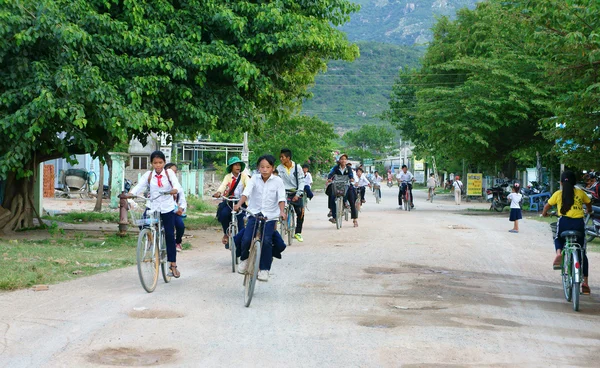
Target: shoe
227,246
412,206
178,247
585,289
174,273
513,231
363,201
299,237
557,262
225,239
329,214
355,223
243,266
332,220
263,275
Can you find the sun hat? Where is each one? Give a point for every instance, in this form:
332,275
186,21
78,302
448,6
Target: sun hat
343,155
235,160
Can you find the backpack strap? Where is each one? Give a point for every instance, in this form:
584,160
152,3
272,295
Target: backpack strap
166,173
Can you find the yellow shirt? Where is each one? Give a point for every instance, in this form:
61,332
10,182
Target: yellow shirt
576,210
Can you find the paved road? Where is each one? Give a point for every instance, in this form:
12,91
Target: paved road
403,289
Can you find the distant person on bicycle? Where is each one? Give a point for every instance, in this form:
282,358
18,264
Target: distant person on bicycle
161,180
361,184
293,179
265,194
569,203
341,169
377,180
179,212
308,181
431,184
405,179
232,186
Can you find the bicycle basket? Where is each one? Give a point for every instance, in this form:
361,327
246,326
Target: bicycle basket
140,213
340,185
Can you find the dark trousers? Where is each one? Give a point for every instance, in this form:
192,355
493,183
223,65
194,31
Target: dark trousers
349,197
266,255
362,193
299,218
168,223
308,192
401,193
278,244
566,223
179,228
224,217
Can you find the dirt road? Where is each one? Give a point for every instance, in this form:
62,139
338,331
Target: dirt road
429,287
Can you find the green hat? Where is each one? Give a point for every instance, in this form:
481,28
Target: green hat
235,160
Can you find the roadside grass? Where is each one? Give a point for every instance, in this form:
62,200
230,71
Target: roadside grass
593,246
318,183
201,222
26,263
77,217
197,204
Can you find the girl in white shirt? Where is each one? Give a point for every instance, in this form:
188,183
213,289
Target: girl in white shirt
160,181
308,181
515,207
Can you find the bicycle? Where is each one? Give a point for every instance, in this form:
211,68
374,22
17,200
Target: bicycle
340,186
406,203
232,231
288,227
571,267
251,274
431,194
151,249
358,202
377,192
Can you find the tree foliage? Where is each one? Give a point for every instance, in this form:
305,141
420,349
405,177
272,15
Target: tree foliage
370,141
81,76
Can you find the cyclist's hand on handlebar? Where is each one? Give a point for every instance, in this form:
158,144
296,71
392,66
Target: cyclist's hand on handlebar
236,207
283,216
217,195
173,191
295,198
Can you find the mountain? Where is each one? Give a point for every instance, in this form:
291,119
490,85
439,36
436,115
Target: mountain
404,22
352,94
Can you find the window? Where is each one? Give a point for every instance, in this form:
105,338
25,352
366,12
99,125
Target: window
139,162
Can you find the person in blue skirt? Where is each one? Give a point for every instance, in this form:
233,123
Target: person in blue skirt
515,199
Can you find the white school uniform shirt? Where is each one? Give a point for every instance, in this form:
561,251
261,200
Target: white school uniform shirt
431,182
182,202
457,185
162,203
308,179
515,199
362,181
377,179
265,196
405,177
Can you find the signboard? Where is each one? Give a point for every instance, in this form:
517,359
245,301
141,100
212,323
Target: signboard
245,156
419,165
475,185
420,176
368,161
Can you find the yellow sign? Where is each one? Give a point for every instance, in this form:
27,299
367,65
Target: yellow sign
475,185
419,165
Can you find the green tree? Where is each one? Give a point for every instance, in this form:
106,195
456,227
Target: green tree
81,76
310,140
369,141
480,92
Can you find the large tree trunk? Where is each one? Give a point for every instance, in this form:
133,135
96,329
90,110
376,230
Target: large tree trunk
100,191
16,211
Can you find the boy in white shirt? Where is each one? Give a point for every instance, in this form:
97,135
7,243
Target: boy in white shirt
361,183
308,181
265,194
431,184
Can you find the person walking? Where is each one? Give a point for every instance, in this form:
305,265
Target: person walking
515,207
293,179
458,186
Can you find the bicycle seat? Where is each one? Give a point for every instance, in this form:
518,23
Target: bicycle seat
564,234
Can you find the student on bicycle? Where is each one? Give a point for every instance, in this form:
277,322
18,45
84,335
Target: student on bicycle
162,180
431,183
308,181
232,187
179,212
265,194
341,169
361,183
377,180
569,203
293,179
405,179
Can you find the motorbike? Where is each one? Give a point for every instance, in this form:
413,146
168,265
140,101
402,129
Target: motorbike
499,197
390,183
592,224
448,184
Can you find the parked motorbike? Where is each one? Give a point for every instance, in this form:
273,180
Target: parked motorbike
448,184
499,197
592,224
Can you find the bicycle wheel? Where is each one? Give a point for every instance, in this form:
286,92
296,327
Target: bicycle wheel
431,194
566,276
252,272
377,195
164,264
232,233
497,206
339,206
147,260
291,221
576,290
590,229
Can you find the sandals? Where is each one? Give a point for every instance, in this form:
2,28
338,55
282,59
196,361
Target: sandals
174,272
585,289
557,264
225,239
355,223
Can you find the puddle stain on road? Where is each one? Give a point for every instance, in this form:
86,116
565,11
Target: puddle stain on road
132,356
